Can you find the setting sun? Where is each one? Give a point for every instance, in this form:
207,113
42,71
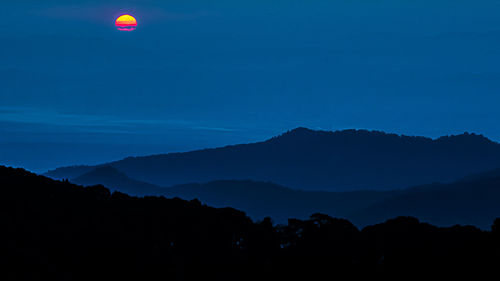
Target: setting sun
126,23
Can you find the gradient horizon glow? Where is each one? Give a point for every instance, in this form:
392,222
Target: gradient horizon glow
126,23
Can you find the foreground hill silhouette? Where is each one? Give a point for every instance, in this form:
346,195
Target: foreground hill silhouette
318,160
60,231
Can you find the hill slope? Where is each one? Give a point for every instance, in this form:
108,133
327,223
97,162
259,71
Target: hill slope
319,160
260,199
59,231
472,201
257,199
116,180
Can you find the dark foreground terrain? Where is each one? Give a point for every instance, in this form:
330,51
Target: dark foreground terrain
54,230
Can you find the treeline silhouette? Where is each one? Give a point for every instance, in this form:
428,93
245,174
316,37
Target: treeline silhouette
53,230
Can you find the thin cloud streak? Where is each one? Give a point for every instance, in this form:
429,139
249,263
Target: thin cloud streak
96,124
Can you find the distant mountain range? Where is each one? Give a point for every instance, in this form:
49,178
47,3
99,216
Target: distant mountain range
116,181
257,199
472,200
305,159
263,199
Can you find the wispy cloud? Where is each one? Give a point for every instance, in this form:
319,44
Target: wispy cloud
220,129
100,123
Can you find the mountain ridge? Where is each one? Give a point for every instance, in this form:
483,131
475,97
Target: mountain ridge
306,159
469,201
472,201
116,181
266,199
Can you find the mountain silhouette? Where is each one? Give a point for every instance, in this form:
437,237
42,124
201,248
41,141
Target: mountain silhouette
264,199
318,160
56,230
470,200
116,180
257,199
473,200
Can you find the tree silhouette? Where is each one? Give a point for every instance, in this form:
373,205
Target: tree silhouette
55,230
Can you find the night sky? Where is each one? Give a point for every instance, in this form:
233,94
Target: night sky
201,73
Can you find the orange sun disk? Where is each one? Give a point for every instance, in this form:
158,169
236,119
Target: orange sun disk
126,23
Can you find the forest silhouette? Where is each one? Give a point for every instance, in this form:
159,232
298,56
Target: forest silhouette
55,230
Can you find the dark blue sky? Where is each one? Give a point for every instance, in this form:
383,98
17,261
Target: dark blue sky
206,73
